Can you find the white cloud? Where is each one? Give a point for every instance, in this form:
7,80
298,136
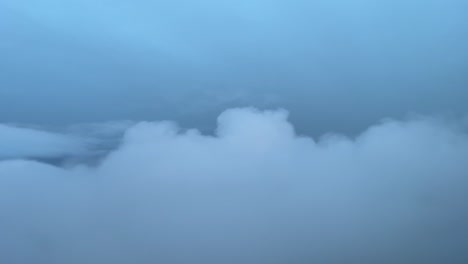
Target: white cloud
254,193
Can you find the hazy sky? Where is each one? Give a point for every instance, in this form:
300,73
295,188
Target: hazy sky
340,64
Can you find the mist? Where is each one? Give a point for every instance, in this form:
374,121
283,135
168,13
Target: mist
255,192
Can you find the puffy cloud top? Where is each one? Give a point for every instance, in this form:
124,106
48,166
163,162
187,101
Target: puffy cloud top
256,192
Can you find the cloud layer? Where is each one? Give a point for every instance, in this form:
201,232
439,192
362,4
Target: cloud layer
22,142
256,192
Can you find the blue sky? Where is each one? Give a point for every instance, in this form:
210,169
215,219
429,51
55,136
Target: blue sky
86,61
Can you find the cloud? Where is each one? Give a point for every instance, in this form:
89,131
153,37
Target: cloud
61,146
256,192
22,142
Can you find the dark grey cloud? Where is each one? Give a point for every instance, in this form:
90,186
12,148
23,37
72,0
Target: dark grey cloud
256,192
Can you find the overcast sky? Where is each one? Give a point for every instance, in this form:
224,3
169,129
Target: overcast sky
341,64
